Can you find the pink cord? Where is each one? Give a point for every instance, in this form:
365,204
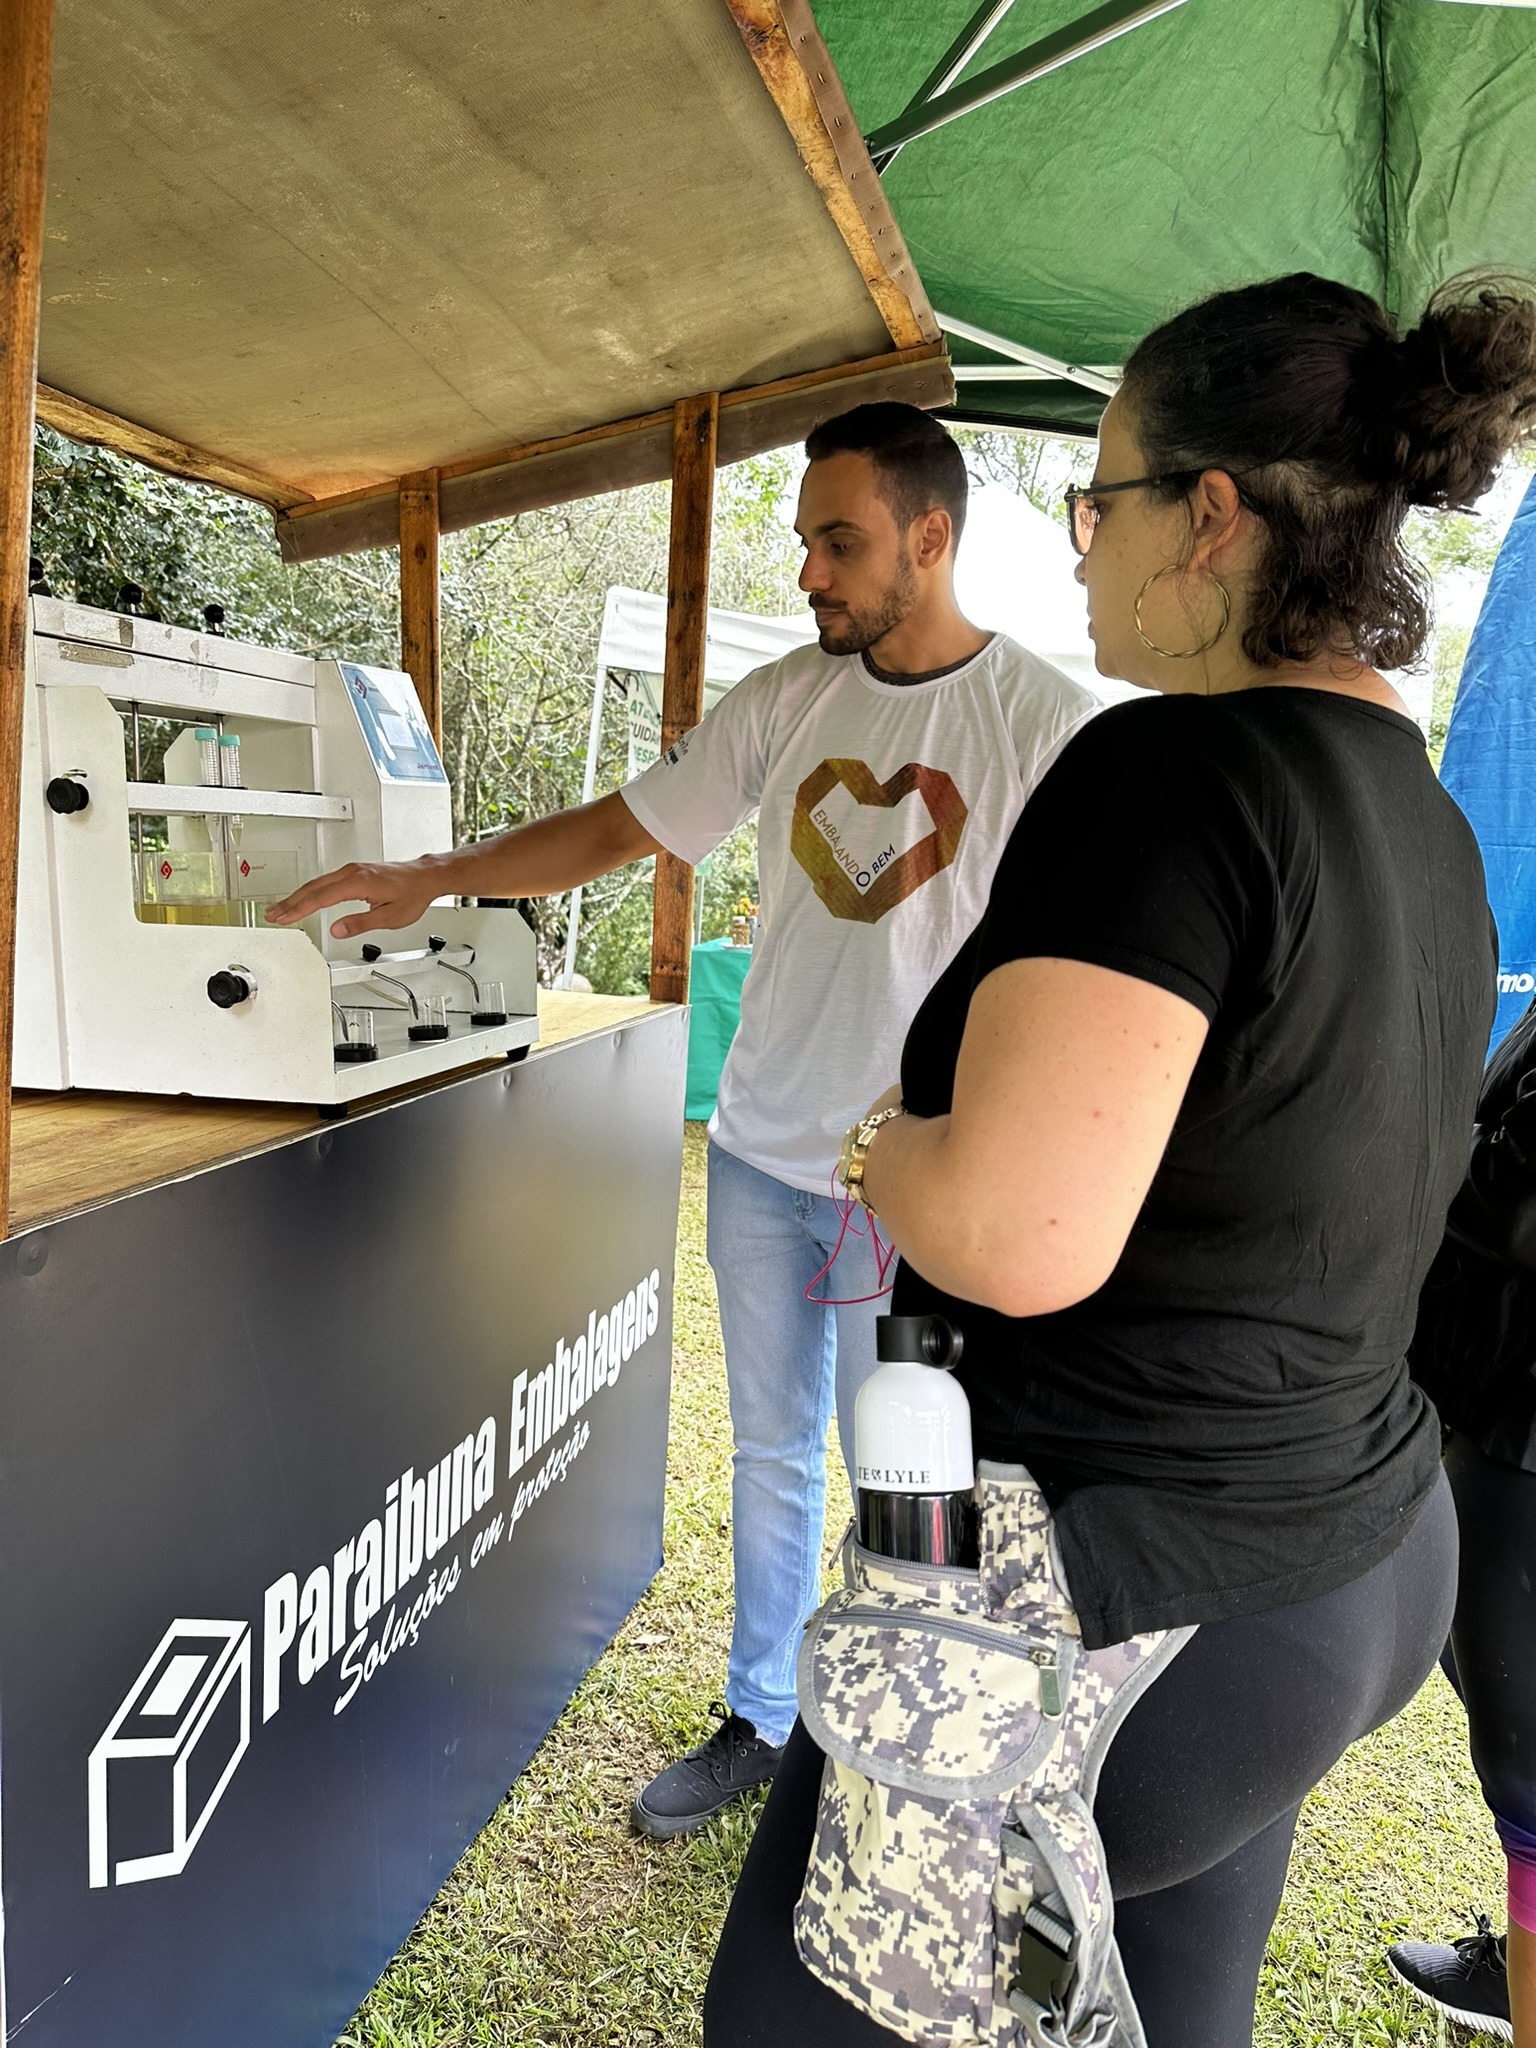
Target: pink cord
885,1255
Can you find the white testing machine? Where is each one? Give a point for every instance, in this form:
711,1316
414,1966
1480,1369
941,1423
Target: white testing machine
143,958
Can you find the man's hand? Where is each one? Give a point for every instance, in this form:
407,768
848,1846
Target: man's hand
397,893
542,859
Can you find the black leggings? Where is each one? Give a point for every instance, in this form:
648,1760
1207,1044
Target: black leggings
1491,1657
1197,1804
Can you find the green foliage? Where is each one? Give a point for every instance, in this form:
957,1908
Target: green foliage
99,521
616,941
1035,466
522,608
1449,653
1447,541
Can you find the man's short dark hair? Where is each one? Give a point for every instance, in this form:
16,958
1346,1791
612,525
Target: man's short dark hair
917,462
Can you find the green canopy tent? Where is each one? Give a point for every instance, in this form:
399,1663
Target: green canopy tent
1158,150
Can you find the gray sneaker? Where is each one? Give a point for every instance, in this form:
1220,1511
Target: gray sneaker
726,1765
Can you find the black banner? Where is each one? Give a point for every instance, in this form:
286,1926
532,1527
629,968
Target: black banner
324,1476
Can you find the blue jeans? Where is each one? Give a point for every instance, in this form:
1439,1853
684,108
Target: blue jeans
784,1359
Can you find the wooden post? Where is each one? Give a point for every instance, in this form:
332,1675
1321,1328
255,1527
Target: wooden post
695,425
26,67
421,654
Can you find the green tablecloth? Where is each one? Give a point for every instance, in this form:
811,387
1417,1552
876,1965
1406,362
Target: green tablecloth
714,995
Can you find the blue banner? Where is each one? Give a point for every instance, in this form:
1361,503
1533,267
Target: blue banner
1490,756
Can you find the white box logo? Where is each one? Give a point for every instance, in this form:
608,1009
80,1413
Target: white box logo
169,1752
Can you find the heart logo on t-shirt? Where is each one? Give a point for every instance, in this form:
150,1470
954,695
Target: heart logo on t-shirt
864,894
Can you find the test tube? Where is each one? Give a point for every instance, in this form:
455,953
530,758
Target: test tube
229,760
432,1018
207,756
493,1004
356,1042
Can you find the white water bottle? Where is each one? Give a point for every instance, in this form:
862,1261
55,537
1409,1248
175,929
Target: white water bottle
916,1478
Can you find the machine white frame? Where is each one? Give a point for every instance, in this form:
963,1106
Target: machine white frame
106,1000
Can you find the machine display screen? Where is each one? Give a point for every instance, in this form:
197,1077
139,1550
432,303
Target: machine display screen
390,714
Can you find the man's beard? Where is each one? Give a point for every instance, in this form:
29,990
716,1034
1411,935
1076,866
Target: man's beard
850,632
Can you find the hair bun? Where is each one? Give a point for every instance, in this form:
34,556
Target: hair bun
1454,395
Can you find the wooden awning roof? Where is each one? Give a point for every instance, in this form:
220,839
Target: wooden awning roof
305,247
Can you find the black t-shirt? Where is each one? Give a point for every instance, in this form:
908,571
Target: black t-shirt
1227,1425
1474,1351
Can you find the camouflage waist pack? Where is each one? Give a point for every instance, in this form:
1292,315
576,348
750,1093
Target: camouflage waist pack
956,1890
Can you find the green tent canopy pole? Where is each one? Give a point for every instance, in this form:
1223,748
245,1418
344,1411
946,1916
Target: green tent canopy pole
1038,60
954,60
1018,352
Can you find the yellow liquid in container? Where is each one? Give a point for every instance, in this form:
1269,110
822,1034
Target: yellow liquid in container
191,913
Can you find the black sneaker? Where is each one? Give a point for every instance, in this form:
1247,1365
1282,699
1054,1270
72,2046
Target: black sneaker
1466,1981
686,1794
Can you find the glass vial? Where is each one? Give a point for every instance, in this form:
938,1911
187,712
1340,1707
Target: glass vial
431,1019
493,1004
356,1042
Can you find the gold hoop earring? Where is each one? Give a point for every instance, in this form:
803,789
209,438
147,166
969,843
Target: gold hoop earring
1182,653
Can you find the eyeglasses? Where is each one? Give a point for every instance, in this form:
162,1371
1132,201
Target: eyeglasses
1083,506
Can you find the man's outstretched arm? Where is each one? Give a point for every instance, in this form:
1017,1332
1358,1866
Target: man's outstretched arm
542,859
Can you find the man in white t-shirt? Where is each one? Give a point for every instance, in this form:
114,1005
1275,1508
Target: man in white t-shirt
887,766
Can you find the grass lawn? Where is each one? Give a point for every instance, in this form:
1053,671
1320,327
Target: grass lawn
562,1929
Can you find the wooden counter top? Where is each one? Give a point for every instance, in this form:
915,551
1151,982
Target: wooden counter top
80,1147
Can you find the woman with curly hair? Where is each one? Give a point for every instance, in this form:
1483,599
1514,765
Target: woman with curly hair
1181,1123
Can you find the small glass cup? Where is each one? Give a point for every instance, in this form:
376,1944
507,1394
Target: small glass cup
357,1042
493,1004
431,1020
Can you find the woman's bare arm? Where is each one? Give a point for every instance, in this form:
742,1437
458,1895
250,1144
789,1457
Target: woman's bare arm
1069,1082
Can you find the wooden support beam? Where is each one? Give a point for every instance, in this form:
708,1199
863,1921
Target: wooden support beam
797,68
421,595
695,430
26,76
615,455
98,429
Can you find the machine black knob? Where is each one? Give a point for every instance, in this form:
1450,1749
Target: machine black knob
372,953
37,580
213,617
130,596
66,796
226,988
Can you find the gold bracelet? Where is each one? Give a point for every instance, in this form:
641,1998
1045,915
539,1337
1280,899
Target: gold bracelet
855,1152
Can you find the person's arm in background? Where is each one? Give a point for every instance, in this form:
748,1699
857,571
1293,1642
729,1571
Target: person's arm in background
542,859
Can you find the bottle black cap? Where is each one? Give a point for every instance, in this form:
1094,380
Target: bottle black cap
917,1340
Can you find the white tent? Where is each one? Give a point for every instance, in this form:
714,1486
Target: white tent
1014,573
633,644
